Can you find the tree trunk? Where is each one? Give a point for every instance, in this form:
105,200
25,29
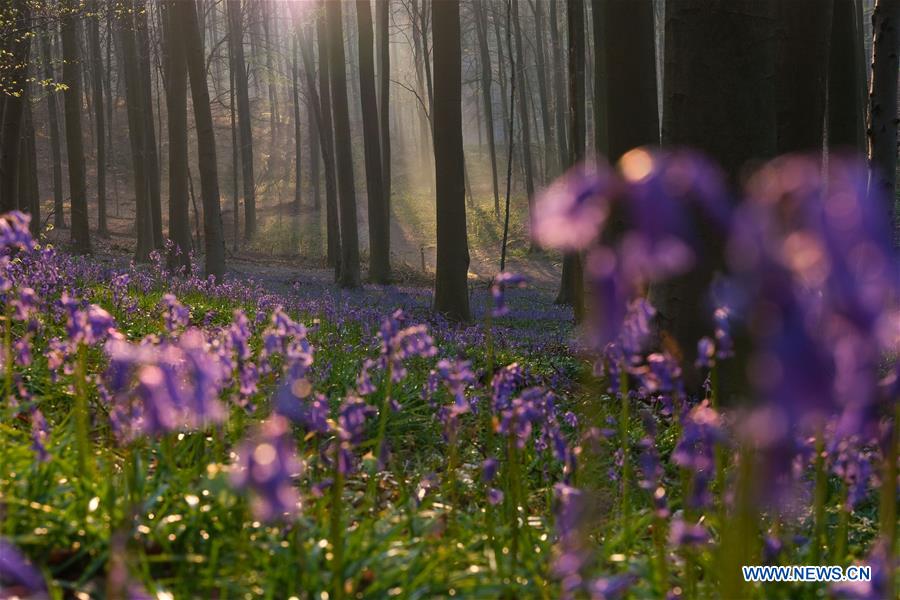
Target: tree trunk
719,99
486,95
379,231
524,95
30,201
343,148
97,91
571,289
53,122
81,234
213,237
559,89
551,167
134,101
236,39
14,108
424,23
451,293
883,108
631,100
382,18
312,119
295,95
176,107
804,28
326,139
235,153
265,8
151,154
847,79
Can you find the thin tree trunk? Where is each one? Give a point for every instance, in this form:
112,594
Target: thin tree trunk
382,17
176,107
53,122
295,94
524,123
151,154
235,151
559,89
214,239
486,95
30,201
326,137
236,33
451,293
97,89
379,222
424,23
81,234
343,146
883,107
550,166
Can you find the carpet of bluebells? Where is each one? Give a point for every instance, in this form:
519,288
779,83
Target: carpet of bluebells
166,436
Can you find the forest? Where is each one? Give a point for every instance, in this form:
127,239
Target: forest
333,299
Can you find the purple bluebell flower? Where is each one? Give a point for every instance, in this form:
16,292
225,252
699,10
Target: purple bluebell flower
706,352
611,588
494,496
18,576
683,534
489,469
40,432
14,232
874,589
267,465
176,315
570,214
498,291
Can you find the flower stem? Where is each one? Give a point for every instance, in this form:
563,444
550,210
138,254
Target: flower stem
337,539
624,418
382,430
821,492
82,417
889,499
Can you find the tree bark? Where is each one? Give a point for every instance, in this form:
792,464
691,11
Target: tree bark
846,79
522,104
719,99
382,18
14,109
631,100
559,89
451,293
29,201
214,240
804,28
551,167
882,129
343,147
571,289
53,123
379,229
81,234
486,95
176,107
236,40
151,153
298,155
97,91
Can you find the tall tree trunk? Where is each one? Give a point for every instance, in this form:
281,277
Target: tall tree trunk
419,59
558,87
97,90
236,39
295,95
883,107
30,201
343,148
379,222
214,239
424,25
176,107
551,167
502,76
151,154
235,152
382,21
571,289
265,9
14,108
631,99
81,233
847,79
719,99
451,293
525,124
53,123
486,94
804,28
326,137
134,101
